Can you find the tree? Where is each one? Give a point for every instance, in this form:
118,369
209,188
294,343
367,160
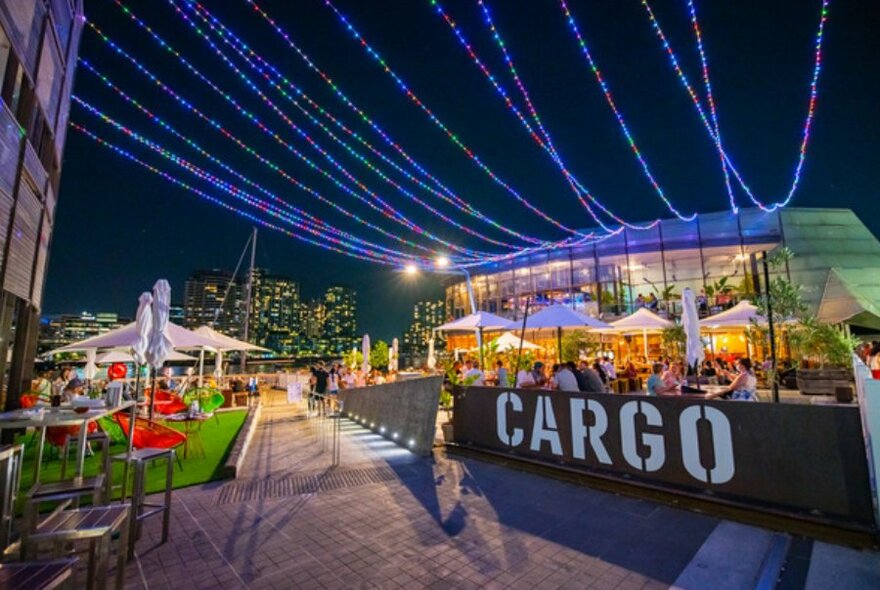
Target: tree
577,343
353,358
379,355
673,341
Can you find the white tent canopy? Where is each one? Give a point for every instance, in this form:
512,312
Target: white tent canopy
640,321
510,341
738,316
226,343
121,356
561,316
126,336
482,320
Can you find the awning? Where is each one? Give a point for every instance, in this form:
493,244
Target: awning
851,296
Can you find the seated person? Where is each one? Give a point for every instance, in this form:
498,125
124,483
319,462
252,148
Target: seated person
655,381
672,380
743,387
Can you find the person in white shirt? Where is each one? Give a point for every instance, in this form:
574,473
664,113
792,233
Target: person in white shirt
610,370
473,375
564,379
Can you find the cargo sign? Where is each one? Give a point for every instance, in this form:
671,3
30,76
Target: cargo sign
801,459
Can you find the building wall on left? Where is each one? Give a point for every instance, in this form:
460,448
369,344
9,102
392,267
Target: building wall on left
39,42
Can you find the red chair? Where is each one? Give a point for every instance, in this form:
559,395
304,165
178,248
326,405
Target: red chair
149,434
29,400
875,373
168,403
57,435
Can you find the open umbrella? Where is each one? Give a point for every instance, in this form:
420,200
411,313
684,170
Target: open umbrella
122,356
479,322
690,321
160,344
365,350
510,341
392,361
561,316
643,321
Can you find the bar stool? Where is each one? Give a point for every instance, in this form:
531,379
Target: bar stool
71,440
140,508
11,459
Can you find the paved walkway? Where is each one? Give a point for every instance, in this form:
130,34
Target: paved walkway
383,518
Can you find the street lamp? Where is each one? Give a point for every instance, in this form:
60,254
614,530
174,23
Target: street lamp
411,269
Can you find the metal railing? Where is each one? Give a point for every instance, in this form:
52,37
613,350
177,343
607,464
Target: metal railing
325,414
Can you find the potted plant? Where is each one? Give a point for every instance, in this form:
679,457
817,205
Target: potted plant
825,354
446,403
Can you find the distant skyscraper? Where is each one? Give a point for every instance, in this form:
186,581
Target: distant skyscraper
340,323
58,330
210,299
427,315
275,310
39,41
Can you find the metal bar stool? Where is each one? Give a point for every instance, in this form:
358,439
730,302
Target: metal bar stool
71,440
11,459
140,508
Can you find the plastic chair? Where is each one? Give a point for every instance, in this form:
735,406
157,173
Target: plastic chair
169,403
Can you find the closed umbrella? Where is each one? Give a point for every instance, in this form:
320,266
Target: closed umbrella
144,325
218,365
365,349
392,362
160,344
690,321
91,369
432,359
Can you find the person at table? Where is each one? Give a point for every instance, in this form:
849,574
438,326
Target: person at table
743,387
600,370
73,387
610,369
501,375
531,379
655,381
564,379
672,379
472,374
592,382
630,371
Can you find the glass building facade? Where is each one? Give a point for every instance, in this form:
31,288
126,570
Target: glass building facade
39,41
606,279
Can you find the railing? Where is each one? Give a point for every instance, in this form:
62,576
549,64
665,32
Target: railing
325,413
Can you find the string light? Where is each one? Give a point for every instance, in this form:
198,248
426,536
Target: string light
352,152
417,101
375,202
811,108
543,139
276,78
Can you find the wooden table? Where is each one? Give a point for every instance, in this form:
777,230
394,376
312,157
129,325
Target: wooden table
63,416
35,575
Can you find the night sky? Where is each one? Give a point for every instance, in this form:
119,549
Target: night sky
119,227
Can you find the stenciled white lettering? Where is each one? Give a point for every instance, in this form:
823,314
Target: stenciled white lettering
657,452
722,445
580,431
515,437
544,415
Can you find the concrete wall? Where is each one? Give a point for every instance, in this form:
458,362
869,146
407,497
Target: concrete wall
405,408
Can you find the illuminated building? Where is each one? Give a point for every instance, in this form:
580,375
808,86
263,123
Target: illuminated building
427,315
212,298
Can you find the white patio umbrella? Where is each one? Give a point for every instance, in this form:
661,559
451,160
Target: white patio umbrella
91,369
690,321
160,344
431,362
365,350
560,316
643,321
479,322
510,341
393,360
227,343
738,316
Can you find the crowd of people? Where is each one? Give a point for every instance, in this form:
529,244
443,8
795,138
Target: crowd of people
736,381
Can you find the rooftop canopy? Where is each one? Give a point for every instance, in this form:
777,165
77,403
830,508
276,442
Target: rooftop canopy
738,316
126,336
482,320
226,343
641,321
561,316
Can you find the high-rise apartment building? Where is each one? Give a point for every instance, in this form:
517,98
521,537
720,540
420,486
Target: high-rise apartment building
39,41
58,330
215,298
427,315
340,323
274,307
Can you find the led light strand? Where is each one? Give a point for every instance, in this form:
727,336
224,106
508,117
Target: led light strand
298,217
543,139
383,206
415,99
353,153
388,211
198,148
618,115
811,109
713,113
252,218
276,79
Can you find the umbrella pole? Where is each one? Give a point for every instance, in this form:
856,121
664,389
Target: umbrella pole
522,336
559,343
645,341
137,385
480,346
201,365
153,393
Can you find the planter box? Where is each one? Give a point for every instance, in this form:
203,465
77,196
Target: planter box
822,381
448,435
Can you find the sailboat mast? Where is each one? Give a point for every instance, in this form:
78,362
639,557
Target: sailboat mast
249,298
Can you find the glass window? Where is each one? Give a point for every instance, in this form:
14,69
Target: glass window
25,19
49,78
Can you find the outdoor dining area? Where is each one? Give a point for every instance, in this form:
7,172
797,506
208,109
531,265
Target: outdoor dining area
118,430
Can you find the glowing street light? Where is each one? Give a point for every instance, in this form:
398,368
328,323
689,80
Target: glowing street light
442,261
411,269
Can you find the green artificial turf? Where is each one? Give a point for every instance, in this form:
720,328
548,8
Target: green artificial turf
216,438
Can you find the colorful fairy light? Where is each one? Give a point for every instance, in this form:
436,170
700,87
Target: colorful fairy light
276,79
351,151
198,148
384,208
375,201
543,138
417,101
251,217
808,122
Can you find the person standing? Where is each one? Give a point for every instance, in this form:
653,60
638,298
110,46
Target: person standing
501,374
320,377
